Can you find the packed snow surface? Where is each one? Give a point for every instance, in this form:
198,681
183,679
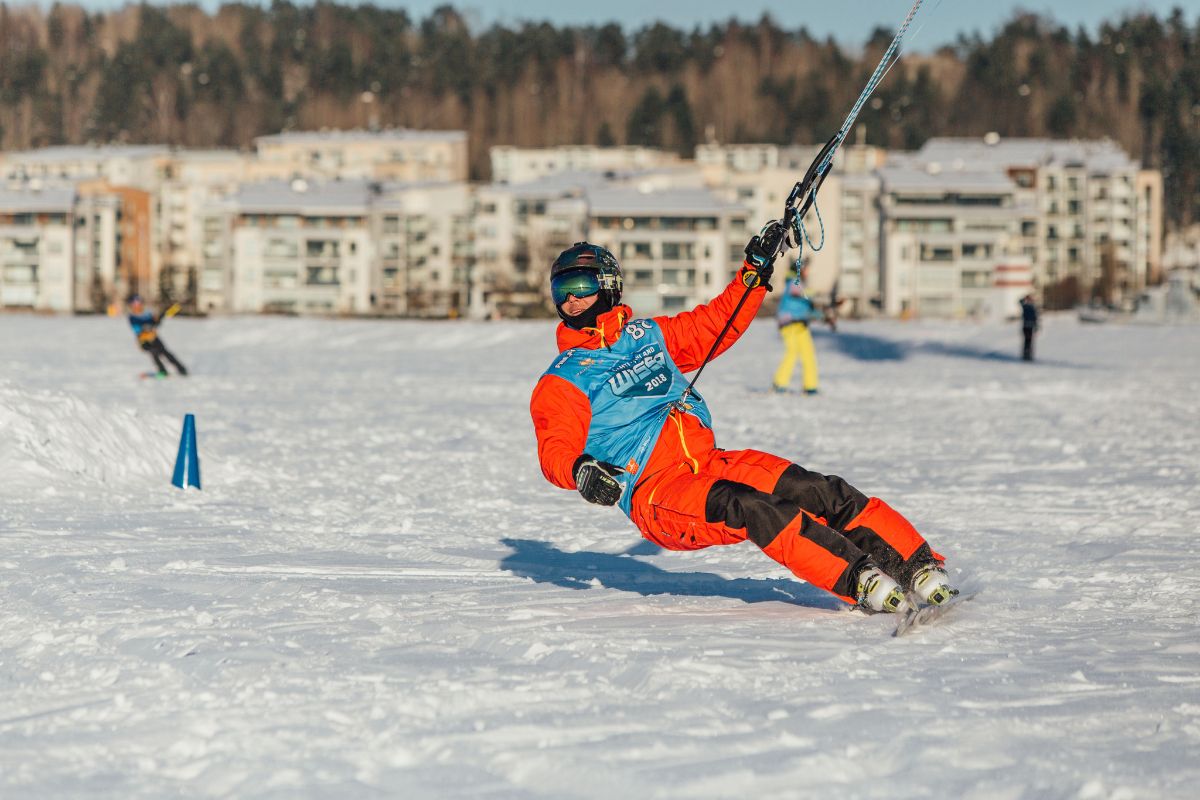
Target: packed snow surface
377,594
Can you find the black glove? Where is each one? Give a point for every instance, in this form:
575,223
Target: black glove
761,253
597,480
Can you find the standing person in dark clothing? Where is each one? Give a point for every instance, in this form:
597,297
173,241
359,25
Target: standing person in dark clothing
145,327
614,422
1029,325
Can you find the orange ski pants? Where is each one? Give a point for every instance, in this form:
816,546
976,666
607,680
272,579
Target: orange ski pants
818,526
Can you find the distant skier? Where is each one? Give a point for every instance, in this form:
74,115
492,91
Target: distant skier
796,311
1029,325
611,423
145,327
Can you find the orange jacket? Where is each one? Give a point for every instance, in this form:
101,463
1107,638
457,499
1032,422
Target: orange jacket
562,413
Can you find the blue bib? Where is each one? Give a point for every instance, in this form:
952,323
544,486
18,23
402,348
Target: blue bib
631,388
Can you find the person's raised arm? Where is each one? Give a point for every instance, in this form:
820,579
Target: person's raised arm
691,335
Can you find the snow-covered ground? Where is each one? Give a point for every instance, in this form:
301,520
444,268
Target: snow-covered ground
377,594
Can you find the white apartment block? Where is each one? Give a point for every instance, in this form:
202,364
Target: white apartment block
59,249
338,247
678,242
36,249
1094,215
424,250
139,166
843,254
677,248
397,154
858,245
301,247
515,165
194,179
950,242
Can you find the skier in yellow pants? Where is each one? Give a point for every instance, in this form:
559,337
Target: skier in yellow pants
796,309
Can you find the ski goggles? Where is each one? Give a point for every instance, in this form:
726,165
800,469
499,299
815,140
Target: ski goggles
577,282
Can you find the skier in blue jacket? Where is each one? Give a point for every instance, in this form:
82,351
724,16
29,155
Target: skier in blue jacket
796,310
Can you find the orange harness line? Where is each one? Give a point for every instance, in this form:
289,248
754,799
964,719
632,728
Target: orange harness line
695,465
600,331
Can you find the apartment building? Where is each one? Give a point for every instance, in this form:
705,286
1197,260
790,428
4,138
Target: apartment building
424,249
516,165
857,271
1093,227
950,241
677,248
843,256
36,248
301,246
514,228
60,248
139,166
674,237
396,154
131,173
338,247
192,180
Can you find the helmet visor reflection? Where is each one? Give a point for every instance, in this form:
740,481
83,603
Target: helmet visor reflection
577,282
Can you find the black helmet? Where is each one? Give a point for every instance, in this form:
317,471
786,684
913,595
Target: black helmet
594,258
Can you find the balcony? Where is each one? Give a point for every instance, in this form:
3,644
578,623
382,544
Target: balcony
19,274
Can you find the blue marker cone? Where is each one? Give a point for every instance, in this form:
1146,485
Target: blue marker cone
187,463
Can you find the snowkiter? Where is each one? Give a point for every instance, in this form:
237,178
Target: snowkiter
1029,326
145,327
613,424
796,311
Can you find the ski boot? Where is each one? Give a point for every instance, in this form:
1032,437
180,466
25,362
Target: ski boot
878,592
931,584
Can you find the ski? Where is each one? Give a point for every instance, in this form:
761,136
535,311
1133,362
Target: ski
920,616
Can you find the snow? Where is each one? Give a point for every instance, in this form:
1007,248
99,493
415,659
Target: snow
378,594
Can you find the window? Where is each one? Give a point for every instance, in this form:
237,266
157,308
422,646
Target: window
924,225
322,248
678,251
632,250
679,277
280,248
322,276
936,253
